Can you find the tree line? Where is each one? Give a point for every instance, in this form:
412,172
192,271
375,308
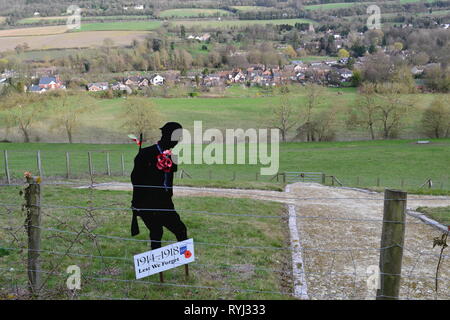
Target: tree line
381,110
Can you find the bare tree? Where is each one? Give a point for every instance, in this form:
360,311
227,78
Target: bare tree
22,111
141,116
314,98
436,119
68,112
364,114
392,107
283,116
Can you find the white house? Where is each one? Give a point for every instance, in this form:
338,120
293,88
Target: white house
156,80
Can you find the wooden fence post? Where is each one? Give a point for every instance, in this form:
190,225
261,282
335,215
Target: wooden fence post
378,181
257,175
33,223
67,165
234,176
90,164
392,240
108,166
122,162
284,177
8,177
210,174
39,163
323,178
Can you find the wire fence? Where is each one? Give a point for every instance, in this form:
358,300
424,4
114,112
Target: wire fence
116,164
93,237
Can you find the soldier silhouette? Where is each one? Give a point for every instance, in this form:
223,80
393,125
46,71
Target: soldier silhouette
152,179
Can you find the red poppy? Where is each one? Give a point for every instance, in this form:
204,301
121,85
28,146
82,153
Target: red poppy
163,162
187,254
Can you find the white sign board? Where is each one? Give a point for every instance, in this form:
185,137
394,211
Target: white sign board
165,258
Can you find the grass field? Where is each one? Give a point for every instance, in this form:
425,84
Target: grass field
358,163
36,31
330,6
90,18
121,26
237,23
218,265
441,214
237,107
190,13
252,8
71,39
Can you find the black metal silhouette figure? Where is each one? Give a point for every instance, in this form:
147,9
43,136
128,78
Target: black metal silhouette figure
152,179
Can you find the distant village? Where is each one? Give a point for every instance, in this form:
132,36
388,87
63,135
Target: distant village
333,72
326,72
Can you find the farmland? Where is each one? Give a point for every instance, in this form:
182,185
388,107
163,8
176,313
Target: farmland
71,40
59,19
36,31
236,23
251,8
121,26
189,13
329,6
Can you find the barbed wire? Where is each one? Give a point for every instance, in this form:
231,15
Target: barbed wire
247,192
163,284
89,233
105,208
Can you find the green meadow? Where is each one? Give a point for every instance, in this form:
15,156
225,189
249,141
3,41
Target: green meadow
121,26
251,8
330,6
383,163
237,23
34,20
192,12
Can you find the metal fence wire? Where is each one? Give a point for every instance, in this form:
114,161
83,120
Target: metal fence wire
333,266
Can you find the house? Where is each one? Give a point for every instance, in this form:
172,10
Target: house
212,80
343,60
139,7
345,74
156,80
237,76
119,86
331,62
98,86
51,83
133,81
143,83
36,89
204,37
336,76
416,70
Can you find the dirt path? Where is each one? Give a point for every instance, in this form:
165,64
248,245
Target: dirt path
337,251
